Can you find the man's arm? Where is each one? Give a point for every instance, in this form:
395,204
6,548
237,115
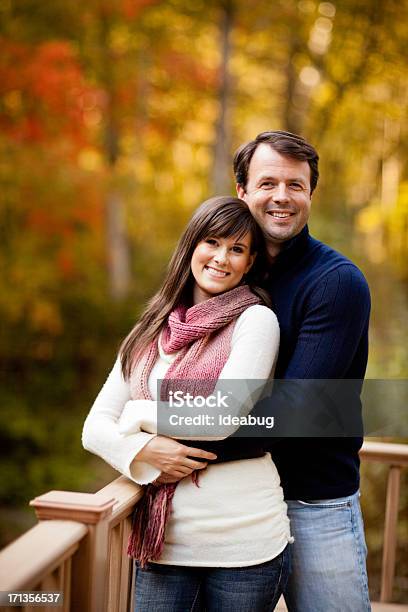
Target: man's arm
335,322
309,400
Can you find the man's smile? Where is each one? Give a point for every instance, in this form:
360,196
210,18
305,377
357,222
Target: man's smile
280,214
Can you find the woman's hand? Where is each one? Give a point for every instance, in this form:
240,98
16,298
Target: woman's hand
173,458
166,479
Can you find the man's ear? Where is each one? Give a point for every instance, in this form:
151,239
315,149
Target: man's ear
240,191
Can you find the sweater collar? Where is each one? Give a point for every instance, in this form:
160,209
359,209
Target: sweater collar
292,249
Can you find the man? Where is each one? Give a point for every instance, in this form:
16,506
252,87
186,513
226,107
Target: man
322,303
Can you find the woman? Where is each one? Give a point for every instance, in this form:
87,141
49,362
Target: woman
221,544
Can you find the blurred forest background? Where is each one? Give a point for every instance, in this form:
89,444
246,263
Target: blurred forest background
118,117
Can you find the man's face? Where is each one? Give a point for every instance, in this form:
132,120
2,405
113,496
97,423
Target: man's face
278,195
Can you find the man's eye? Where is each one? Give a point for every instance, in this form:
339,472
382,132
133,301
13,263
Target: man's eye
296,186
267,185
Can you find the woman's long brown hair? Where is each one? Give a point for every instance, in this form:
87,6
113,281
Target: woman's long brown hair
218,217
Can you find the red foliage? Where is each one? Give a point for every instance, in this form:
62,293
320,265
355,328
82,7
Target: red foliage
42,89
66,263
48,223
64,223
184,68
132,8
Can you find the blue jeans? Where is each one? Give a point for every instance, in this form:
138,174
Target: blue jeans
171,588
328,557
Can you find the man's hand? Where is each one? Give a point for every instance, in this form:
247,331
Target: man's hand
173,458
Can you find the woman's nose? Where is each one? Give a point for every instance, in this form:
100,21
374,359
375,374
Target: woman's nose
221,255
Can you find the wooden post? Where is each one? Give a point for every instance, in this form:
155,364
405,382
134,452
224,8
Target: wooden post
90,562
390,533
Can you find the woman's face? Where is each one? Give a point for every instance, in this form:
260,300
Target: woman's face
218,265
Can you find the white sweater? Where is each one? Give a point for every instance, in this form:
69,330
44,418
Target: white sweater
237,516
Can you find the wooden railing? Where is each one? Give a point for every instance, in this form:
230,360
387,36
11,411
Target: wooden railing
396,457
79,545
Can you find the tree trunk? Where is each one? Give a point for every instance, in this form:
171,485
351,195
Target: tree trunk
117,242
221,175
117,245
293,115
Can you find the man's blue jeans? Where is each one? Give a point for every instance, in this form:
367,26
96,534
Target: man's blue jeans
170,588
328,557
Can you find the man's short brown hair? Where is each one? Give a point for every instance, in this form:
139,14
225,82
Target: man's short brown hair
284,143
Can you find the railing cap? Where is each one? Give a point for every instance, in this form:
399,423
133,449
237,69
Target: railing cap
87,508
385,452
25,562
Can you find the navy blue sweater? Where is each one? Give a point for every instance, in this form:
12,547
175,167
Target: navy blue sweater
322,302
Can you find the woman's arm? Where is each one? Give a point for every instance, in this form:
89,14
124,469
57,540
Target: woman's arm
101,435
254,346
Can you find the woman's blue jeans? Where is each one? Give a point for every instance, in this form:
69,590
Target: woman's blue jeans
170,588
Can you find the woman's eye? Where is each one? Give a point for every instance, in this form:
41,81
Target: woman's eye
211,241
237,249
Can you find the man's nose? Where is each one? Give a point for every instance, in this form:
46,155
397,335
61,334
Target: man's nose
280,193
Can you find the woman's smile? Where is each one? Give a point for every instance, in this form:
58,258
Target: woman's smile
215,272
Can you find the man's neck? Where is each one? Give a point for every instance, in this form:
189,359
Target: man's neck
273,249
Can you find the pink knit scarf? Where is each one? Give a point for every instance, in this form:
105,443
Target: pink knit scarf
202,335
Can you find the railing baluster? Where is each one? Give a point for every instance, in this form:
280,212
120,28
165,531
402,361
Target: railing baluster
66,588
126,574
390,533
120,573
115,562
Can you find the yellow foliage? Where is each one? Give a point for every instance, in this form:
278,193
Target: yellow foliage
369,219
90,159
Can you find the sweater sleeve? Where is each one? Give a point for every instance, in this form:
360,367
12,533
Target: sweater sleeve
311,401
102,437
335,320
254,346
